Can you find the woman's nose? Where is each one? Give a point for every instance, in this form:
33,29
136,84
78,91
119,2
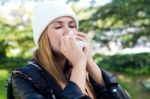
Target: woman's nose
66,30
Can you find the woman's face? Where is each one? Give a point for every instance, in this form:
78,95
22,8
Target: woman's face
58,28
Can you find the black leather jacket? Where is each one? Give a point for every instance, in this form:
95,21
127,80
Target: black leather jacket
25,87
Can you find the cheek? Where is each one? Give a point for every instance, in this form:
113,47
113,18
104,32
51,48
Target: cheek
54,39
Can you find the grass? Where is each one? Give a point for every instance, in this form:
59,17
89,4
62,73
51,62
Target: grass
128,81
132,84
3,80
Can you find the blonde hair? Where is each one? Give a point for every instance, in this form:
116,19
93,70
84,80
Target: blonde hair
46,58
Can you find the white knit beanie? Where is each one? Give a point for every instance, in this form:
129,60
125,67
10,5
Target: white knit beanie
45,13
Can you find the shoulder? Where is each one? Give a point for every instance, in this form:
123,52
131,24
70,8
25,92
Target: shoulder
23,88
31,72
19,82
23,76
27,80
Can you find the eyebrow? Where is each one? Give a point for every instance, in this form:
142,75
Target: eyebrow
62,22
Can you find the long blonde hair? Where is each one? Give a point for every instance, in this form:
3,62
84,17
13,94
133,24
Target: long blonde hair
46,58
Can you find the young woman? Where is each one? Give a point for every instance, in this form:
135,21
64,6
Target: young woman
60,68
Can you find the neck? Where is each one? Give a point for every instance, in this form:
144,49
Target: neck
61,59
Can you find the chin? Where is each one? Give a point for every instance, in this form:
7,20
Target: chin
57,52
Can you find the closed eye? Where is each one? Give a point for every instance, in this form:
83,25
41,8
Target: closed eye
58,27
72,26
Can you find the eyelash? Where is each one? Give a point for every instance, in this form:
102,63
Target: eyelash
57,27
72,26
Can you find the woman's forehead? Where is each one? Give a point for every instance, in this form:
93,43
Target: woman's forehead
63,19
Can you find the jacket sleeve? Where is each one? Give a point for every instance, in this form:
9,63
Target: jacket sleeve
72,91
24,89
112,89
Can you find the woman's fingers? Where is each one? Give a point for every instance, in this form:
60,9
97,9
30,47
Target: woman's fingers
67,42
81,38
82,35
72,40
62,47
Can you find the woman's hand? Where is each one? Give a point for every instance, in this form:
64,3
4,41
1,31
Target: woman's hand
76,56
72,51
87,49
92,68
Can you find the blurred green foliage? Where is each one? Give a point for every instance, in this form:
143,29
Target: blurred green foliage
130,63
3,79
16,33
12,62
119,15
16,44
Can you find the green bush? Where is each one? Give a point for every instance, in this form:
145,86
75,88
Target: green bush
11,63
132,63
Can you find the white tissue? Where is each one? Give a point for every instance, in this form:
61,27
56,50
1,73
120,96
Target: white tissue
70,33
80,43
